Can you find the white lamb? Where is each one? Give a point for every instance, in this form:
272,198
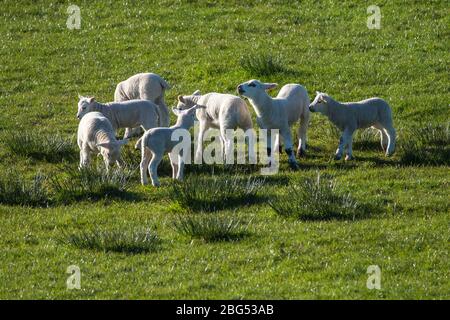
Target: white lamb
290,106
349,116
144,86
157,141
96,135
222,111
127,114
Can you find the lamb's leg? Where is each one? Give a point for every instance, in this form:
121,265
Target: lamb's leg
270,157
227,146
180,173
288,146
383,136
153,169
341,147
199,150
384,140
164,121
174,163
390,132
349,142
84,158
345,140
277,143
301,131
146,154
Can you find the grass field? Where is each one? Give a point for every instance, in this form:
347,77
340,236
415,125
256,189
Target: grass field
134,242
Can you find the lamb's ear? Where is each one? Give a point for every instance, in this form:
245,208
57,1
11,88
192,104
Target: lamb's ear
270,86
107,145
194,108
91,99
197,93
181,99
122,142
176,111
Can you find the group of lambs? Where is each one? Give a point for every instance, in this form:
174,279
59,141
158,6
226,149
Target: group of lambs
139,103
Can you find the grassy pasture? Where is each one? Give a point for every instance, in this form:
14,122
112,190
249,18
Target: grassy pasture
131,241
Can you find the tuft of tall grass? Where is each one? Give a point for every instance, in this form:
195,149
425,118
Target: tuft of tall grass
262,64
428,145
123,241
16,190
317,199
211,228
40,146
91,183
215,193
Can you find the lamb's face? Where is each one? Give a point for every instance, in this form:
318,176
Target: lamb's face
319,104
253,88
84,106
111,155
186,102
111,151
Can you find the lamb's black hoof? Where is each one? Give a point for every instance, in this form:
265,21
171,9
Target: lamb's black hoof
337,157
301,153
293,165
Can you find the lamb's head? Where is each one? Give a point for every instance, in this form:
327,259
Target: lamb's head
110,151
320,103
253,88
186,117
186,102
85,105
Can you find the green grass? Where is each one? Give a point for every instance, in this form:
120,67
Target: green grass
326,46
261,64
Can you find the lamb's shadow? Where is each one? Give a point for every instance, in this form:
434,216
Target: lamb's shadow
222,169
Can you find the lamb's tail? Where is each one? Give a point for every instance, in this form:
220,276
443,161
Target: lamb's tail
164,84
138,144
162,119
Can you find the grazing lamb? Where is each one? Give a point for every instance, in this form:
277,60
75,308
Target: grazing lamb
96,135
290,105
144,86
157,141
348,117
127,114
222,111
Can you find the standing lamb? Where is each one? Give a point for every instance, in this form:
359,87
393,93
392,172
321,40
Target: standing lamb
155,142
96,135
222,111
348,117
290,105
144,86
127,114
